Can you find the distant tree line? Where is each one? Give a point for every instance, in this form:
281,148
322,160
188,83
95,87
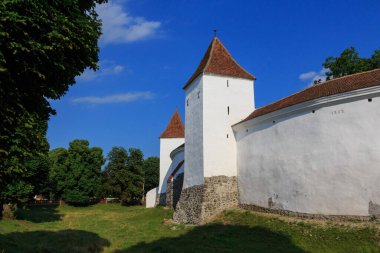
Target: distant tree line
75,175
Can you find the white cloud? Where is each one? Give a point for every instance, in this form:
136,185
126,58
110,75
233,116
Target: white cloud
312,76
120,27
106,68
116,98
307,75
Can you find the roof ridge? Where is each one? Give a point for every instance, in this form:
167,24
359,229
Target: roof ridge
320,84
233,59
211,52
367,71
175,127
338,85
218,60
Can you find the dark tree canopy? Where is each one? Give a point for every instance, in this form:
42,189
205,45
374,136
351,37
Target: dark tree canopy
349,63
30,174
43,46
151,173
76,171
135,163
114,175
123,176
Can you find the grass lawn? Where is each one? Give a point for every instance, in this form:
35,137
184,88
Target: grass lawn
114,228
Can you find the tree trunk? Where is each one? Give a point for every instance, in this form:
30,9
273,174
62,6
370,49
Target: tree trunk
8,211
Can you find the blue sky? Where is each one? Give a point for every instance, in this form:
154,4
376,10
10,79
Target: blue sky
149,49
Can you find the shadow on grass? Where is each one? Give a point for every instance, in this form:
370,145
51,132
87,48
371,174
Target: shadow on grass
49,241
38,214
221,238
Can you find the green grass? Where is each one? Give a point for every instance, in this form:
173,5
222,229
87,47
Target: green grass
114,228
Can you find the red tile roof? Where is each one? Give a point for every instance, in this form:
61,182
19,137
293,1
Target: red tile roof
217,60
339,85
175,128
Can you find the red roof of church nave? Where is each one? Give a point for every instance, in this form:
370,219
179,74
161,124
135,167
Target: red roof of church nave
335,86
217,60
175,128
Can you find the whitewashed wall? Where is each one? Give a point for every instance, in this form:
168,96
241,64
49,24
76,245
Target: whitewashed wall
219,93
327,162
167,145
194,134
150,198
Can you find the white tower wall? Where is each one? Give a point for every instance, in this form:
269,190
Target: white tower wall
226,101
213,104
194,134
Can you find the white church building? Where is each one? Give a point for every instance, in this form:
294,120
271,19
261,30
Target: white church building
315,153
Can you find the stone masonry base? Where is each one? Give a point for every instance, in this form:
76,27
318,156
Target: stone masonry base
198,203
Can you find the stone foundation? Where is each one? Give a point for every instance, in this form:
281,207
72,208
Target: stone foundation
189,205
169,195
198,203
306,215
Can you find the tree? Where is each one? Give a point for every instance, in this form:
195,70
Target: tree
135,190
349,63
29,174
124,176
151,173
43,46
58,159
115,174
76,172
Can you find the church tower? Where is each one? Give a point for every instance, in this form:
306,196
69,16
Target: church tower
218,95
170,139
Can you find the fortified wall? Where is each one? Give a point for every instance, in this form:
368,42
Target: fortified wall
319,157
315,153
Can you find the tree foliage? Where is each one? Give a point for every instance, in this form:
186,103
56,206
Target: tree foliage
151,173
349,63
29,175
76,172
124,175
114,175
43,46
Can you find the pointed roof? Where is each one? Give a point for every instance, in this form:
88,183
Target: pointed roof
175,128
217,60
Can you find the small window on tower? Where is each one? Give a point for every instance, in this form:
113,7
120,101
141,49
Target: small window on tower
227,136
198,93
228,110
187,102
228,85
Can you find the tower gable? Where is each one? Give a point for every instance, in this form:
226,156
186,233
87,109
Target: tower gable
217,60
175,128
